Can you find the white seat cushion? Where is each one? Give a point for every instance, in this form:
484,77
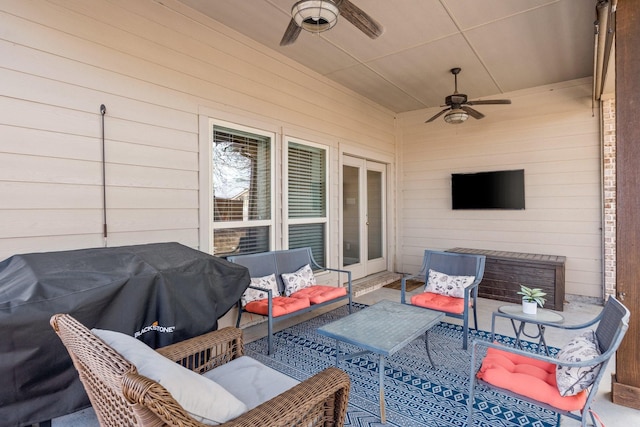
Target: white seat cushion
250,381
202,398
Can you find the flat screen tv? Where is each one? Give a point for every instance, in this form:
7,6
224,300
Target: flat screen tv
488,190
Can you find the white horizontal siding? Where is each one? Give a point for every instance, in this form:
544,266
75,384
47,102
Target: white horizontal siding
156,66
550,132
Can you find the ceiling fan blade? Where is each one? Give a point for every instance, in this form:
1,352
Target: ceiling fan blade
489,101
473,113
291,33
437,115
359,18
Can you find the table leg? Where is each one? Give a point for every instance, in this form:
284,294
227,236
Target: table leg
337,352
520,331
383,417
426,345
542,340
517,331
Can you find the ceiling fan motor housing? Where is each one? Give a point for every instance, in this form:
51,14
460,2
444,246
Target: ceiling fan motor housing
456,99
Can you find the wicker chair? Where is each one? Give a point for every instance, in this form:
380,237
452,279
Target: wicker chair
122,397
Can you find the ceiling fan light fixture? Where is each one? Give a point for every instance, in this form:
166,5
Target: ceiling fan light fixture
456,116
315,16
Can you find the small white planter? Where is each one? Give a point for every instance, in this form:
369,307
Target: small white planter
529,307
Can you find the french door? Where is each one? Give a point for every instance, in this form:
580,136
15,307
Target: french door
363,216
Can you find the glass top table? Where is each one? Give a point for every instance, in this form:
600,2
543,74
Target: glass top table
383,328
515,314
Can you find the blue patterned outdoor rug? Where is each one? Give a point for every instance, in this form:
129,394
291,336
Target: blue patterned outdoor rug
416,394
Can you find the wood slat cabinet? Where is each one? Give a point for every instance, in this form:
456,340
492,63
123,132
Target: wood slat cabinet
505,271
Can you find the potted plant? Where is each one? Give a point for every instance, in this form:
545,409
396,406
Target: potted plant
531,299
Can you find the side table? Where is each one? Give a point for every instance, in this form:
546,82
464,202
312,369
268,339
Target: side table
519,320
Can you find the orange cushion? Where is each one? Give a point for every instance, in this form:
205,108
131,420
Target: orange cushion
281,306
528,377
439,302
320,293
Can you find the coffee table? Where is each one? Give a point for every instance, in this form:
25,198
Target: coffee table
383,328
515,314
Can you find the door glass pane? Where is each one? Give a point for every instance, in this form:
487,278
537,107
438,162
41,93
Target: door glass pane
374,214
351,203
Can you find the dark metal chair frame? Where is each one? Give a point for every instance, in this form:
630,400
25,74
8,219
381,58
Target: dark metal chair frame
613,322
453,264
284,261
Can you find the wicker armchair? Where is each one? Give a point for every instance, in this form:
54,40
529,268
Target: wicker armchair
122,397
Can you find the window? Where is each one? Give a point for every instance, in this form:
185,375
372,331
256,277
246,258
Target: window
242,185
307,198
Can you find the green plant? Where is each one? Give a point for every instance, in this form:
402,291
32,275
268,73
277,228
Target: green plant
532,295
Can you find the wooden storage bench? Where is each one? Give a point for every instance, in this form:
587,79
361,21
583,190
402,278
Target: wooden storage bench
277,308
505,271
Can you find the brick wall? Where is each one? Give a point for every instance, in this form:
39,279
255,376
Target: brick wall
609,193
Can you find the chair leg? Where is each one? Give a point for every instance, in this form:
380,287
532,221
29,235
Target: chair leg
472,381
239,315
465,331
270,335
270,325
475,317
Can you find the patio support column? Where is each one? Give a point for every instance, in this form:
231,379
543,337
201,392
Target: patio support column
626,380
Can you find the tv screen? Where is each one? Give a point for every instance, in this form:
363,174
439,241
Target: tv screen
488,190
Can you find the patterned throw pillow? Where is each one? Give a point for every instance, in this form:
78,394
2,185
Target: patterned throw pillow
266,282
293,282
572,380
451,286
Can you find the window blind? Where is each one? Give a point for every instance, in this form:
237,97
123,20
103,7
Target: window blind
307,181
309,235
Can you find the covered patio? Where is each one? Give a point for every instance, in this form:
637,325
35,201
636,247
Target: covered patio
111,110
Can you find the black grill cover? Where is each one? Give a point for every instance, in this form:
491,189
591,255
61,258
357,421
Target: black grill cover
162,293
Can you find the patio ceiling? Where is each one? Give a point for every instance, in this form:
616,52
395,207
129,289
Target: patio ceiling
501,45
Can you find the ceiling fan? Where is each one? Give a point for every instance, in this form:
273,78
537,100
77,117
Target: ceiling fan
320,15
458,109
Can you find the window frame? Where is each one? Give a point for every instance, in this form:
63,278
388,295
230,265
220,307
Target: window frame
286,220
207,233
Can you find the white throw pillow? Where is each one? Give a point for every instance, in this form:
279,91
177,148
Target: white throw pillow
303,278
443,284
572,380
266,282
203,399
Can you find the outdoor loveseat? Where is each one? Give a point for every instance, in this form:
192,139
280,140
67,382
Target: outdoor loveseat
283,285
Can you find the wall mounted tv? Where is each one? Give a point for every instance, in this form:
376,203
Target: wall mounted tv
488,190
